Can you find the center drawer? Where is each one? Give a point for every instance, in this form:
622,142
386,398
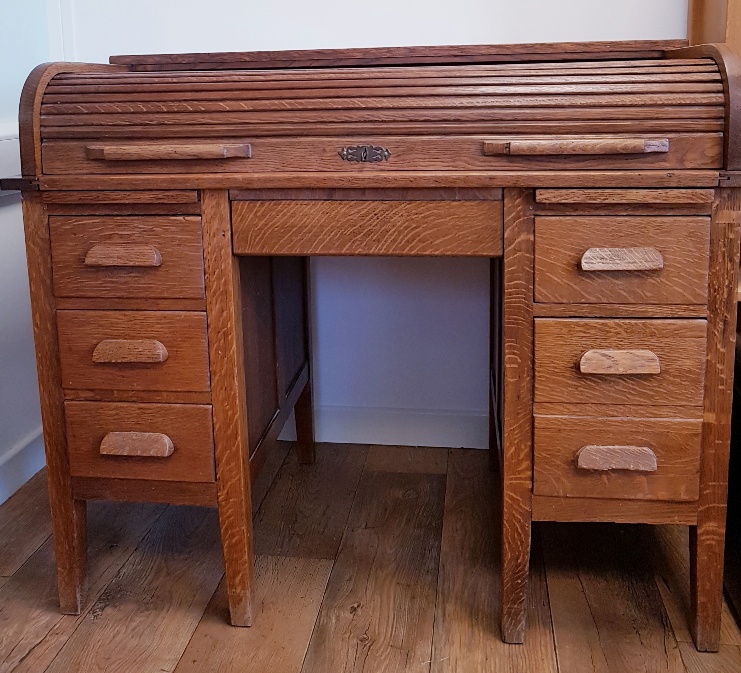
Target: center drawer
629,260
133,350
657,362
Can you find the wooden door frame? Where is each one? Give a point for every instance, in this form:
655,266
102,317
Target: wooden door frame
715,21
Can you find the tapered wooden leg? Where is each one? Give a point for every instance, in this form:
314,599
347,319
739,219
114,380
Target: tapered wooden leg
706,577
68,514
69,521
231,441
707,539
517,410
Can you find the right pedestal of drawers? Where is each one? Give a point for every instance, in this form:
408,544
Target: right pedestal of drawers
632,320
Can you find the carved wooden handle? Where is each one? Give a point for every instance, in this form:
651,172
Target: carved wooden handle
631,458
622,259
151,444
619,362
170,152
123,254
575,147
132,351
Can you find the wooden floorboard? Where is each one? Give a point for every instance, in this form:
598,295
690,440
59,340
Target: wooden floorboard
607,612
305,512
466,620
24,518
32,629
669,550
376,559
148,612
269,471
379,608
417,459
289,593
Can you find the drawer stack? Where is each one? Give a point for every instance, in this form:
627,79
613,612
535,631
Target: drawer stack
133,346
620,290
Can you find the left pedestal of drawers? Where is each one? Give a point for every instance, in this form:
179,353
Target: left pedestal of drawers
122,347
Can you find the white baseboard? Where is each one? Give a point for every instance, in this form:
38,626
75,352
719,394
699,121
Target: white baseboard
20,462
407,427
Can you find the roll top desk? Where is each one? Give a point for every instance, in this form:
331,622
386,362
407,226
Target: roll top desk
171,204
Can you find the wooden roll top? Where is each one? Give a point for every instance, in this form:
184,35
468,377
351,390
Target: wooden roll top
589,106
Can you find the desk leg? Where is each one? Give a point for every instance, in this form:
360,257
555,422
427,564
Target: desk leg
304,409
517,410
68,515
233,481
708,537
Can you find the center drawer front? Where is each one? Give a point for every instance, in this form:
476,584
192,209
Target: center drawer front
674,442
147,336
460,228
188,427
678,346
147,257
680,243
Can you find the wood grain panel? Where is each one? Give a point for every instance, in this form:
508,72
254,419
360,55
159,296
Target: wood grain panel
291,329
675,443
679,345
707,541
289,591
231,434
199,494
398,55
169,197
556,508
259,353
68,513
188,426
682,242
461,228
177,240
382,180
628,196
517,442
182,333
407,153
381,596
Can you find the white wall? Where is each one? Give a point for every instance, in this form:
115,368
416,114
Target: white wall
24,42
401,345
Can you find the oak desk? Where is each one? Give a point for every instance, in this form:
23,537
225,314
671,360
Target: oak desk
171,203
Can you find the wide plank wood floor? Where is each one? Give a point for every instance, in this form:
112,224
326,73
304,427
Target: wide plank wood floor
377,559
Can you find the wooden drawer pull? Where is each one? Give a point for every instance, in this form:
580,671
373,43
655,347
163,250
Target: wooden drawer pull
151,444
133,351
602,458
170,152
575,147
618,362
622,259
123,254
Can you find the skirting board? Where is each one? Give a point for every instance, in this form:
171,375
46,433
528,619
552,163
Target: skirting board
20,462
403,427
